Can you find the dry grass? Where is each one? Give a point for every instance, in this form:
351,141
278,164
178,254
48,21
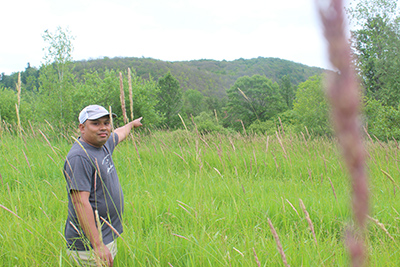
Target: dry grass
17,106
333,188
278,243
1,206
310,224
382,226
122,98
256,257
293,207
130,92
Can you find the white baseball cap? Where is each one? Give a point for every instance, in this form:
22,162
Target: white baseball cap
93,112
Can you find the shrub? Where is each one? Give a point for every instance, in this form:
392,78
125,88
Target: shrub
311,109
382,121
263,127
206,123
8,113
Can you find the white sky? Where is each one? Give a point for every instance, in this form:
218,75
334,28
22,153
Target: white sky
171,30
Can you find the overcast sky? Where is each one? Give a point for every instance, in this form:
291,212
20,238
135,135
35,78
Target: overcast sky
171,30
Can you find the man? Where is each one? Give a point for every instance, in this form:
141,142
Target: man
94,191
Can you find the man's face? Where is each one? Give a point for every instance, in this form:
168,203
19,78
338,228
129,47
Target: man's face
96,132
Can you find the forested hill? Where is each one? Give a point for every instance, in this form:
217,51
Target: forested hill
207,76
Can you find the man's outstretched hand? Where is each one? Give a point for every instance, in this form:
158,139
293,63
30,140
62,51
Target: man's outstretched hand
137,122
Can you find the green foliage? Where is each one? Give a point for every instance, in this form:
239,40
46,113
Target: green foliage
207,123
8,102
193,102
57,82
8,81
282,123
263,127
287,91
104,89
29,79
145,100
59,48
311,108
287,117
253,98
101,89
170,96
55,100
287,121
60,88
215,104
375,44
210,77
382,121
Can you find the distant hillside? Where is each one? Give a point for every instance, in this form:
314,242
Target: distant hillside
208,76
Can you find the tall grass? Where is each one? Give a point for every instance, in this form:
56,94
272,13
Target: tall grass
202,200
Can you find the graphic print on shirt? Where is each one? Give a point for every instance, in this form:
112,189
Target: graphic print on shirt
108,162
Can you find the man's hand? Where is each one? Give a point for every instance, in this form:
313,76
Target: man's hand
124,131
104,255
137,123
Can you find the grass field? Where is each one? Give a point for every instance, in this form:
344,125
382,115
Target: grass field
195,200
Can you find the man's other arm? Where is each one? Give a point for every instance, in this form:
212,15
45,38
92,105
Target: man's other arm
86,219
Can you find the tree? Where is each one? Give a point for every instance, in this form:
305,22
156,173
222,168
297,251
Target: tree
8,101
56,78
214,104
145,99
253,98
286,90
381,121
9,81
170,96
311,108
376,46
193,102
29,78
59,48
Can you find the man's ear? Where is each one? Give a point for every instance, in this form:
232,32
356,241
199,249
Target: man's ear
81,127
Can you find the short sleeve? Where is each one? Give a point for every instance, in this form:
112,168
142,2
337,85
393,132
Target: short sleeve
78,173
112,142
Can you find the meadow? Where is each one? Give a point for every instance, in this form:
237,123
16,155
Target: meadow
203,200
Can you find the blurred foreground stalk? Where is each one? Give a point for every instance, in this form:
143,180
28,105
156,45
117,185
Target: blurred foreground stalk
344,95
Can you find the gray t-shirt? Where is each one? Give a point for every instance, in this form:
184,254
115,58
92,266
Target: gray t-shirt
92,170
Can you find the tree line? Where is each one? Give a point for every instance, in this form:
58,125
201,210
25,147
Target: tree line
166,97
